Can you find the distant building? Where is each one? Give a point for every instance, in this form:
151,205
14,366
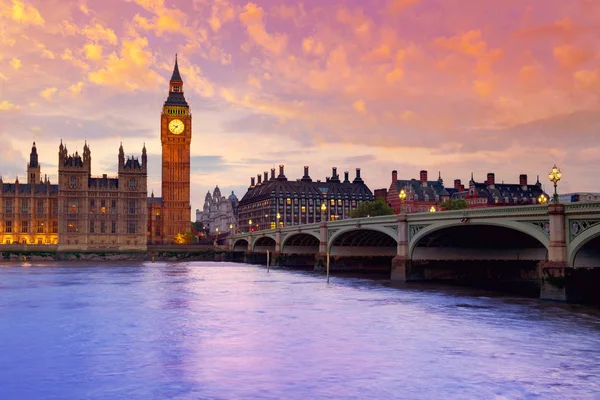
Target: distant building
578,197
29,211
81,212
380,194
421,194
218,212
490,193
274,201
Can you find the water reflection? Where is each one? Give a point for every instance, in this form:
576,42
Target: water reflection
225,331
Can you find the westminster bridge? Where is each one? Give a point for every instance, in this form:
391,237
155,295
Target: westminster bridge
555,246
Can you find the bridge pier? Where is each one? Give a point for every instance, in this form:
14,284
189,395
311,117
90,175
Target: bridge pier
401,262
556,272
321,256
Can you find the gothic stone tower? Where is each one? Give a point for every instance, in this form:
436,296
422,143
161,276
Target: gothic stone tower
176,137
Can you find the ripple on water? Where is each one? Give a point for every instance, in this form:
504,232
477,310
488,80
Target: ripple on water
225,331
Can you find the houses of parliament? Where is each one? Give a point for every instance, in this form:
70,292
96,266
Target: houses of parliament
84,212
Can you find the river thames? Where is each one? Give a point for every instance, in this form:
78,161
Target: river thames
203,330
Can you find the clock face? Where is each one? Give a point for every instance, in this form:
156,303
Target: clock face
176,126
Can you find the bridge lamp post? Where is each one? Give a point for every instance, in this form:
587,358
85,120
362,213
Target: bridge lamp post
249,225
278,218
323,210
554,177
542,199
402,196
432,209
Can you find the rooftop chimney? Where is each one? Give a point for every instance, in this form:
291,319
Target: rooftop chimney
281,176
491,179
423,176
306,177
358,179
346,177
462,188
394,176
266,178
252,182
457,184
334,175
523,181
259,178
272,174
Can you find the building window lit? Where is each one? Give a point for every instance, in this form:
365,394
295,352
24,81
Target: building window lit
8,226
71,226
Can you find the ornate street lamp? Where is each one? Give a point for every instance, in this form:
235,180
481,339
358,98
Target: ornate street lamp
278,218
554,177
323,211
432,209
402,196
542,199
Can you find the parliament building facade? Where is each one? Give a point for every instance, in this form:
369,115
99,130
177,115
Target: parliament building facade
101,213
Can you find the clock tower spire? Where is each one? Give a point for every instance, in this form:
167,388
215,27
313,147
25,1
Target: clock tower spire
176,137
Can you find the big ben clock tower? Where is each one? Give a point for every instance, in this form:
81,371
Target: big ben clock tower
176,137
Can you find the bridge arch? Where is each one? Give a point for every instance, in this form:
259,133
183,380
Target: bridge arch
262,244
240,245
587,242
300,243
371,240
529,234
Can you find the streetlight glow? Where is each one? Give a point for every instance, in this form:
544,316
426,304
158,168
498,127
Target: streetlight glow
402,196
432,209
542,199
554,177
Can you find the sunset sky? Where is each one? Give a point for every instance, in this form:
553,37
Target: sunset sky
457,86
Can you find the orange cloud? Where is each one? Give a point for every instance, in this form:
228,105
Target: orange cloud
252,19
165,20
98,33
23,13
587,78
92,51
571,56
8,106
313,46
360,106
395,7
76,88
67,55
48,93
132,70
16,63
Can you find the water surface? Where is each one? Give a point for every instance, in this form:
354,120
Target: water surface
228,331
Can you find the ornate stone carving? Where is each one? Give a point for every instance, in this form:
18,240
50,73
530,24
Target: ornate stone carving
576,227
544,226
414,229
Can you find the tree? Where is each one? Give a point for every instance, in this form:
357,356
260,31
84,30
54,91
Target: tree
452,204
372,209
184,238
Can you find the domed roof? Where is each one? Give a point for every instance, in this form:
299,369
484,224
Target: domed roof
232,197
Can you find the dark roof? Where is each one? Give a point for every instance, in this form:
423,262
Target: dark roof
176,77
74,161
415,186
104,182
502,191
278,187
26,188
157,200
132,163
33,157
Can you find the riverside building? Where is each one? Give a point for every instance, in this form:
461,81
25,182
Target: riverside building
273,201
